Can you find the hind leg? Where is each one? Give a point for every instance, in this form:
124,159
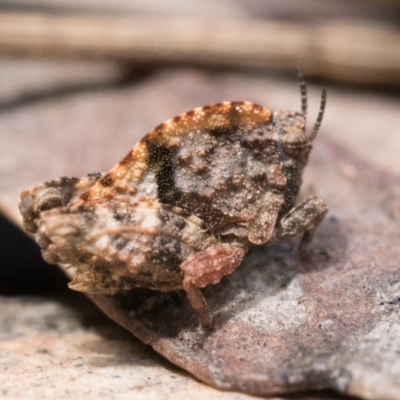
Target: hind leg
209,266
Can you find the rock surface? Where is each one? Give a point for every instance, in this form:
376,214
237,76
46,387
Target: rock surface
281,323
284,324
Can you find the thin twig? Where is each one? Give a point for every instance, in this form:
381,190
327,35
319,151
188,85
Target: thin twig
347,51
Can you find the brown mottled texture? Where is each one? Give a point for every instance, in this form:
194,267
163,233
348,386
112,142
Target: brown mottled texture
51,194
133,226
331,321
284,323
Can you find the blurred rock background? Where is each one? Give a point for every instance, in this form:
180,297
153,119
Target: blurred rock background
81,81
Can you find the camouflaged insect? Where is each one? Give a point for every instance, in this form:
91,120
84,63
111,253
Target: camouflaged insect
180,210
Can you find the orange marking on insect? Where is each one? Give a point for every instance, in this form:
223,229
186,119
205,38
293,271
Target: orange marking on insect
85,196
106,180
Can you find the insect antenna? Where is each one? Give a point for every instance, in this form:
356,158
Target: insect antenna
303,91
320,116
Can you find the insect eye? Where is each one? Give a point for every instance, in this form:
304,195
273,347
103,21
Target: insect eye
295,144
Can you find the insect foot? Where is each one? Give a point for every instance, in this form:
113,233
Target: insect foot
181,208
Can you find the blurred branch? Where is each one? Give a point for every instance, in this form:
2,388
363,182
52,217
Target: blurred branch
350,51
391,3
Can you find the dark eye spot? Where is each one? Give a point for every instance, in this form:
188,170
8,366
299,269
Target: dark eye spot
295,144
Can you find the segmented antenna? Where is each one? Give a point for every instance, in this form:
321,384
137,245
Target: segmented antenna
320,116
303,91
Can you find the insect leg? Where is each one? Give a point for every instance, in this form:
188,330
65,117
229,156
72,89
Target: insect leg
304,219
262,225
197,301
209,266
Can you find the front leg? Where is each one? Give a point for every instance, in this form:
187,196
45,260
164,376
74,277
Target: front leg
261,227
303,218
209,266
